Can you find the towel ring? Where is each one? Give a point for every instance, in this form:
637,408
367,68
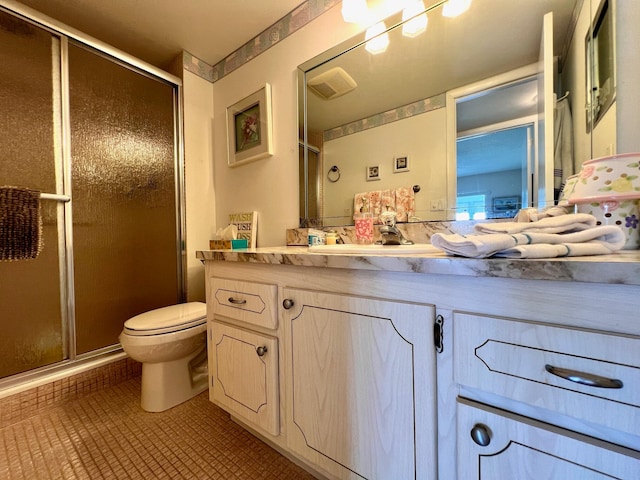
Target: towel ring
336,174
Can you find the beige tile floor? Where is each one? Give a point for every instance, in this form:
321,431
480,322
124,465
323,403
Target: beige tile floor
106,435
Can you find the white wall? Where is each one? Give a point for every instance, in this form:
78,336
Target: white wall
422,138
270,186
199,188
628,72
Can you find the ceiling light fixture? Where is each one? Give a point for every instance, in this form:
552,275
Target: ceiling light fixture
377,38
453,8
354,11
414,19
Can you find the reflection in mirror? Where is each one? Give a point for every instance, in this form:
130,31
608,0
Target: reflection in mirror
601,85
496,132
398,108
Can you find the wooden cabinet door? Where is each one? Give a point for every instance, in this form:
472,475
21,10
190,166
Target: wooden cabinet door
244,370
361,385
521,448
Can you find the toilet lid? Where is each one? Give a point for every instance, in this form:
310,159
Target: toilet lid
167,319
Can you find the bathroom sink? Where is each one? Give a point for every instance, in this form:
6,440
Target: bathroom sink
354,248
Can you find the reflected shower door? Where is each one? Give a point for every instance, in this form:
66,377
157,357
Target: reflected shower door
126,253
32,334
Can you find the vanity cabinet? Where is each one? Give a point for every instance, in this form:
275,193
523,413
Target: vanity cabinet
360,377
243,362
534,378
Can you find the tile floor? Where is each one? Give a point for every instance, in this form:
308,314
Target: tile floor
106,435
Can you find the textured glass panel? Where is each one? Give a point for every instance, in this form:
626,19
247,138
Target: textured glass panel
26,112
123,182
31,333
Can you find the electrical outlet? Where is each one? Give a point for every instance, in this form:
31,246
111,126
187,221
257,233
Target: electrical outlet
437,204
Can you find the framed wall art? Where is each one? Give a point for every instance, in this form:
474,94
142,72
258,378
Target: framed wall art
249,128
401,164
373,173
504,204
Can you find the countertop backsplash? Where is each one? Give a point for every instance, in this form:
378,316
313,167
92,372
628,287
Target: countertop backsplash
419,232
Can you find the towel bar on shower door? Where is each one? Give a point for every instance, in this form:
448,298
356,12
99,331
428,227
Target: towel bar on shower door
53,196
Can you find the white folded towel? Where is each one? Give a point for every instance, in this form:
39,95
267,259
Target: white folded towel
562,223
533,214
590,241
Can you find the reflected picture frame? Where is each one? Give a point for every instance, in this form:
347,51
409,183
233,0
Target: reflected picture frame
373,173
401,164
249,130
506,204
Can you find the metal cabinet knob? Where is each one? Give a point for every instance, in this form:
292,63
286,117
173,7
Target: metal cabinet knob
261,351
481,435
287,303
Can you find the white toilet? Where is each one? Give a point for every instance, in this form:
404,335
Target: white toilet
170,342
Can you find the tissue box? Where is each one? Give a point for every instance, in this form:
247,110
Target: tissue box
219,244
239,243
228,244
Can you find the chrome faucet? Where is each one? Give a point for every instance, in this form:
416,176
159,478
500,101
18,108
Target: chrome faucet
389,232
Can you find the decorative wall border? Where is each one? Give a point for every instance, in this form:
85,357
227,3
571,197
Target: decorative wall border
379,119
290,23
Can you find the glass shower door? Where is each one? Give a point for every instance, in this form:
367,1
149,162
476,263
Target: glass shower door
32,328
110,161
125,249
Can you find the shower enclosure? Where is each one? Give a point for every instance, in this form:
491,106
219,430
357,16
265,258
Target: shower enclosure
100,138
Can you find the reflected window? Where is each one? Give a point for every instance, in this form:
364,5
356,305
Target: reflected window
471,207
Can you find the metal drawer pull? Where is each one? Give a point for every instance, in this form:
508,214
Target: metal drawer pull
236,302
584,378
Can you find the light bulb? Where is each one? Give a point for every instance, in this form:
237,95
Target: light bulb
453,8
414,23
377,38
354,11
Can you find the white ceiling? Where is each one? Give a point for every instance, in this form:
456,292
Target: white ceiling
156,31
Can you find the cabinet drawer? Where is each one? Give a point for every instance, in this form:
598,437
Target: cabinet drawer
497,444
249,302
244,371
582,374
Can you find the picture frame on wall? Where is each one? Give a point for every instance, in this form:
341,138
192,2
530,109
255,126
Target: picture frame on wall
249,130
401,164
373,173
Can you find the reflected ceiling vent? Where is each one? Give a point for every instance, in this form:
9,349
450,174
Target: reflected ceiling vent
332,83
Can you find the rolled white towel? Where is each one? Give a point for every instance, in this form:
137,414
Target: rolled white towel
533,214
591,241
557,224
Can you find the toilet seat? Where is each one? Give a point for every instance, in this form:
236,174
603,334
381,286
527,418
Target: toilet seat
169,319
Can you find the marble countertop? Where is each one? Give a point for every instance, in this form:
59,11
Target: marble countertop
620,268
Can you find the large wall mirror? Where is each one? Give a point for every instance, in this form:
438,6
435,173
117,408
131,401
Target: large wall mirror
456,114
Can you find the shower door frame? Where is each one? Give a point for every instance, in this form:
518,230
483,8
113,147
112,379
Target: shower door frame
64,34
